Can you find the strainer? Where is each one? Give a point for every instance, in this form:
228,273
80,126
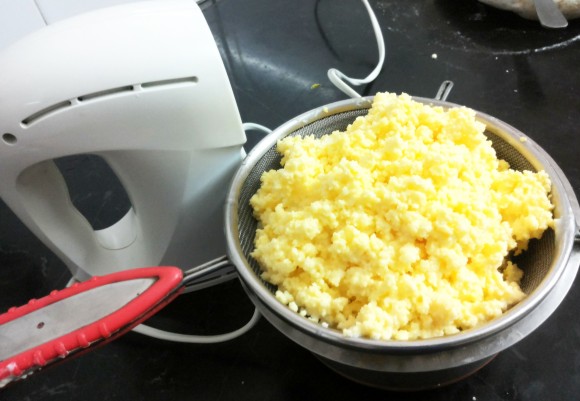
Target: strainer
549,265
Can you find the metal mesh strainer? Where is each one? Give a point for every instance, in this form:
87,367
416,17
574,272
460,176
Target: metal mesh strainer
543,263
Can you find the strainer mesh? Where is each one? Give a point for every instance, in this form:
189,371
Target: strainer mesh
535,261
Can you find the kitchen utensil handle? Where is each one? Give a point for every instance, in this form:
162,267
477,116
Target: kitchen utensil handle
549,14
80,317
208,274
41,199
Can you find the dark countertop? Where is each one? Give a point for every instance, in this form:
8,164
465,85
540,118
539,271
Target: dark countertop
274,52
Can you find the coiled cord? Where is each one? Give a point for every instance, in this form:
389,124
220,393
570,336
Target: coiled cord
340,79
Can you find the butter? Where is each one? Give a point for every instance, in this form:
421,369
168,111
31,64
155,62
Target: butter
398,227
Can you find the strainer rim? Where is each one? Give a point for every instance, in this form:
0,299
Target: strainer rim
565,228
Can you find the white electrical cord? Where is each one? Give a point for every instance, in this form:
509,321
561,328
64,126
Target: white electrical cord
257,127
192,339
338,78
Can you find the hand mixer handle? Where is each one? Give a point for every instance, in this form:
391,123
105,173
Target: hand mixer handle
143,86
41,199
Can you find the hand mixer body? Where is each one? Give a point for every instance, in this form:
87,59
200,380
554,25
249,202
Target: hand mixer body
143,86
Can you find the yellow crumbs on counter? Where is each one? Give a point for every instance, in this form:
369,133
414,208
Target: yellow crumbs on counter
399,227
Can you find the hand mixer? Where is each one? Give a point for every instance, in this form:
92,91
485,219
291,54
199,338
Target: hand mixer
142,86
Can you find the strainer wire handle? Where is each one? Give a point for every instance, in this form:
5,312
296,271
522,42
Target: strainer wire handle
444,90
219,269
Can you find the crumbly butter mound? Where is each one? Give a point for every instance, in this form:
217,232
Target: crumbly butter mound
399,227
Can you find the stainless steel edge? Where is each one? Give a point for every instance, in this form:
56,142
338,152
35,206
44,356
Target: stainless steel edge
466,347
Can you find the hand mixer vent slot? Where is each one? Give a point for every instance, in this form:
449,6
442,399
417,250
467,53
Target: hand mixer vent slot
45,112
105,93
167,82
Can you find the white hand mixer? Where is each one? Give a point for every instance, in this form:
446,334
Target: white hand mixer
142,86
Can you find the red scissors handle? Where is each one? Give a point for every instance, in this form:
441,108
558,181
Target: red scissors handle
96,311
